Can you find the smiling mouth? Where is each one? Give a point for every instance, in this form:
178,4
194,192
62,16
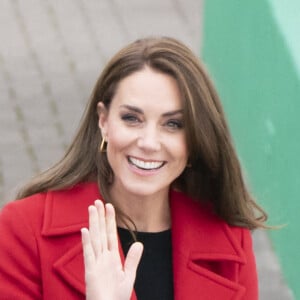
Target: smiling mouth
145,165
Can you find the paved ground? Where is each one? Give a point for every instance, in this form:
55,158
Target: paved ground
51,53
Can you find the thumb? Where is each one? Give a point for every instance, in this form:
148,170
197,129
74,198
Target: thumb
132,260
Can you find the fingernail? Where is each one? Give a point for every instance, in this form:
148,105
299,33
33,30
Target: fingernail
98,202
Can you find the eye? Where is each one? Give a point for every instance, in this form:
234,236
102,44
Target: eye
174,124
130,118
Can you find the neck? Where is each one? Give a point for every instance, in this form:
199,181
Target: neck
148,213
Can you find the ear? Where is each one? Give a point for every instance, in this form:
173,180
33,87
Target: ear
102,118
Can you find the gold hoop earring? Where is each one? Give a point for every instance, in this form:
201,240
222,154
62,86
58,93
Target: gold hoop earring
103,146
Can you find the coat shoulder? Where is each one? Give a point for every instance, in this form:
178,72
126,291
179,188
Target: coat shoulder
33,211
30,208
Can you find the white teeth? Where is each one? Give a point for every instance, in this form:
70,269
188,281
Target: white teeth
146,165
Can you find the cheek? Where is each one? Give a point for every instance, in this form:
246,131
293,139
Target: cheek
117,138
180,149
115,144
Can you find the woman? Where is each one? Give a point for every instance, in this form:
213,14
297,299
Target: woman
153,145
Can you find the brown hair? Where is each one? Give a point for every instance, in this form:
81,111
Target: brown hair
215,173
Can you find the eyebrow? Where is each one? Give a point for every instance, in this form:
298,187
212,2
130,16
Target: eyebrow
140,111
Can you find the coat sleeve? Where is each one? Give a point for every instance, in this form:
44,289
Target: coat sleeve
19,259
248,272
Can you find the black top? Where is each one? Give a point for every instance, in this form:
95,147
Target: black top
154,279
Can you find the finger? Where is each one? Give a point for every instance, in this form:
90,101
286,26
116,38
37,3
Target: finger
94,231
101,224
88,251
132,260
111,228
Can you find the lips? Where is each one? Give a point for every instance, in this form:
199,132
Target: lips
145,165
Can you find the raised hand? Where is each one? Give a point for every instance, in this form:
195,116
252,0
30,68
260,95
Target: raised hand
105,276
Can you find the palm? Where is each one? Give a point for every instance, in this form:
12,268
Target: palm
105,275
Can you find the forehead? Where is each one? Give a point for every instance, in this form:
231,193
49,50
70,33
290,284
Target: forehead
148,88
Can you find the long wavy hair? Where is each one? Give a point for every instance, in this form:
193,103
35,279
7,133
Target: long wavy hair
214,174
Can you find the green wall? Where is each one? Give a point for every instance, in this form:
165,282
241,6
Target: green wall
252,51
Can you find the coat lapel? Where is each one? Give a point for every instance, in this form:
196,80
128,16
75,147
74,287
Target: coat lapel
71,269
65,214
206,253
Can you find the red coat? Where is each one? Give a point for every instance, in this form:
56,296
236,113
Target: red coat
41,252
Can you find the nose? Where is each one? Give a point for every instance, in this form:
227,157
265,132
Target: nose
149,139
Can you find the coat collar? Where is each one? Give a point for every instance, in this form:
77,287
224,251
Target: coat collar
200,241
66,210
207,235
198,237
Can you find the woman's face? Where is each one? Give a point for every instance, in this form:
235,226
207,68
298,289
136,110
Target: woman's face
144,130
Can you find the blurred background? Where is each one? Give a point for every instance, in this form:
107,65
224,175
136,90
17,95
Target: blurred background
52,51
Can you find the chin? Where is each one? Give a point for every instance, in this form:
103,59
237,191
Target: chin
144,190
